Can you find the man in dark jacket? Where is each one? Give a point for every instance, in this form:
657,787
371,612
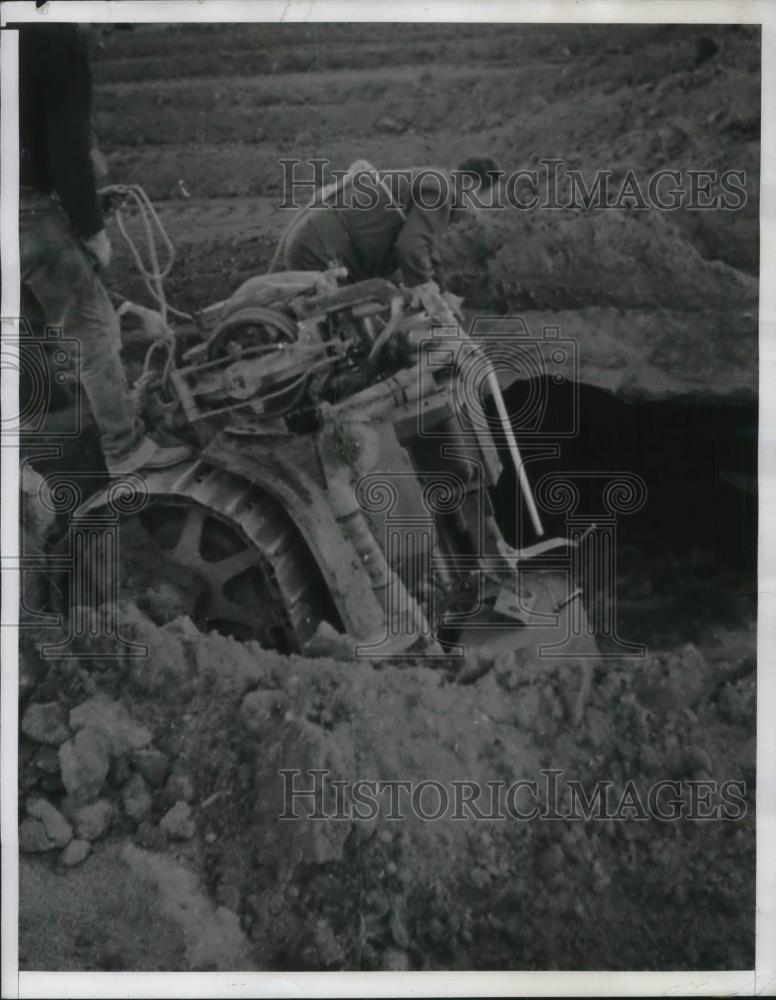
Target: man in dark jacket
378,226
62,238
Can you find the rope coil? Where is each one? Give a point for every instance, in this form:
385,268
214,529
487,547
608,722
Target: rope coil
153,276
153,273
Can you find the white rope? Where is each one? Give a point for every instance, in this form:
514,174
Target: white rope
154,274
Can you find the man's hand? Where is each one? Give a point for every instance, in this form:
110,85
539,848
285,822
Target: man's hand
151,323
98,247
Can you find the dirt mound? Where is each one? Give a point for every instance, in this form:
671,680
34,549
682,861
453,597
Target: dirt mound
573,259
239,727
650,317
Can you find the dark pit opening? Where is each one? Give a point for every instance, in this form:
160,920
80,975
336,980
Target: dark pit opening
687,560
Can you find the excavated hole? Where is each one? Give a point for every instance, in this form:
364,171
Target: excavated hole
688,558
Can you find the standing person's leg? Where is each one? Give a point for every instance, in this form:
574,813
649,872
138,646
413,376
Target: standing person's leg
62,278
91,317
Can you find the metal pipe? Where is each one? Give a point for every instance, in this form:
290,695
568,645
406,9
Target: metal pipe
448,315
514,451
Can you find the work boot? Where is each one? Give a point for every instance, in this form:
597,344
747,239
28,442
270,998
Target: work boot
149,455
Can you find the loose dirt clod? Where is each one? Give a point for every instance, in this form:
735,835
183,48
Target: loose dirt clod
110,718
84,763
136,799
92,821
178,823
33,837
58,830
75,852
46,724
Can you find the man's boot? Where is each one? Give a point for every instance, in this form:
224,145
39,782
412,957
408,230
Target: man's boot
149,455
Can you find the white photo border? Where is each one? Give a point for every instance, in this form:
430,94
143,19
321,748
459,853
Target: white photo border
757,982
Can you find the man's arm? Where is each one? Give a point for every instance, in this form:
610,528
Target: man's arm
417,246
67,96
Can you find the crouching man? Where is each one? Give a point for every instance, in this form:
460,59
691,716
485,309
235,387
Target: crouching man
381,223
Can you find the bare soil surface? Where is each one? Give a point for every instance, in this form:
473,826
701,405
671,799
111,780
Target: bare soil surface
664,308
421,894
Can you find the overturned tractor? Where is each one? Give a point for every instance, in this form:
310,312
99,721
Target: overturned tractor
349,441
